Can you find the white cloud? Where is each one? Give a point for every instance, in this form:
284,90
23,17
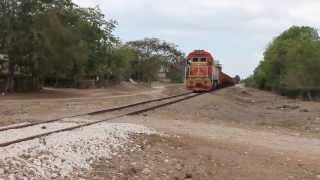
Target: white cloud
236,30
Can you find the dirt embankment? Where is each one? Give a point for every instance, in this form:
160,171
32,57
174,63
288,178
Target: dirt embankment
268,110
250,108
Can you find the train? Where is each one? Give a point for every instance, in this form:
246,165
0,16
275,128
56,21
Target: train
204,73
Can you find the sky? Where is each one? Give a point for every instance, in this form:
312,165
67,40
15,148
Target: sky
236,32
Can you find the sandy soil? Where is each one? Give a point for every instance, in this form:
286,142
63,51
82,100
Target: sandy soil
234,133
58,103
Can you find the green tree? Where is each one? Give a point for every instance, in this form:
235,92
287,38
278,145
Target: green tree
291,64
47,39
98,37
291,61
154,55
23,36
66,54
54,38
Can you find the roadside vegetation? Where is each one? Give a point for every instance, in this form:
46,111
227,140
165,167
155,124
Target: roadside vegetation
58,43
291,64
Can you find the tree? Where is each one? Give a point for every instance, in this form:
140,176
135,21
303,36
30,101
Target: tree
291,61
23,36
66,53
54,38
57,39
98,38
155,53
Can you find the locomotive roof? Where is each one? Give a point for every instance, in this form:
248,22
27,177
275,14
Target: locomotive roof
201,53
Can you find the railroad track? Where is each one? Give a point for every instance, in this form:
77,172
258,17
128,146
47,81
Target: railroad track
69,123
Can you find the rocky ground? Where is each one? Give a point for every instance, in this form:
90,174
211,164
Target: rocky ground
179,158
234,133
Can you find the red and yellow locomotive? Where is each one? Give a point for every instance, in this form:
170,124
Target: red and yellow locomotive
203,73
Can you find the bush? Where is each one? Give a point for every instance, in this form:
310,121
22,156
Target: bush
145,70
291,63
176,74
304,93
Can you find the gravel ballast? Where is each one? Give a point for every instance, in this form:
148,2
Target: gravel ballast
66,154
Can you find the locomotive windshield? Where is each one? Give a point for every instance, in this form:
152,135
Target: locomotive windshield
195,60
199,59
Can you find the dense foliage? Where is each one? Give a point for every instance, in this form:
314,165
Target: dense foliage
291,63
56,39
156,56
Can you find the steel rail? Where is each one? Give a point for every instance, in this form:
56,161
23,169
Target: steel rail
94,112
100,121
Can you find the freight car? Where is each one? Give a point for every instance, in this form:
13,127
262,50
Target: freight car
226,80
203,73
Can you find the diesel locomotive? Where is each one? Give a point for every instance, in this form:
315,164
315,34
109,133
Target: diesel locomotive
204,73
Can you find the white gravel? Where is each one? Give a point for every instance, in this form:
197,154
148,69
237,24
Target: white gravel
63,155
